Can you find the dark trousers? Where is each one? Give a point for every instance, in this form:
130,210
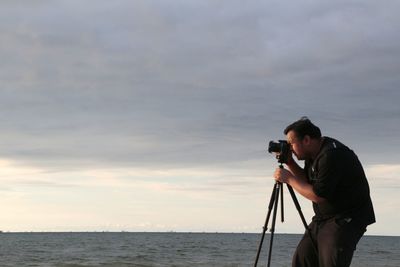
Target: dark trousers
336,240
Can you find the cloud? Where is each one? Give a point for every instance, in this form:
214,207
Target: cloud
210,83
384,175
165,106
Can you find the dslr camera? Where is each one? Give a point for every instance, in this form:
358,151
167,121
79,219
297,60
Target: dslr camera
282,149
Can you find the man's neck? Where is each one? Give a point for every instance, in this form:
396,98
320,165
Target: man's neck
317,147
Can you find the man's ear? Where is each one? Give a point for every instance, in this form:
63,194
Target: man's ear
306,140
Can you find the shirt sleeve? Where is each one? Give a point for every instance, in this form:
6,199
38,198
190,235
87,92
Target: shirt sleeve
328,175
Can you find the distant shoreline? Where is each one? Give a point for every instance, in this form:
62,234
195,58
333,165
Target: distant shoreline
158,232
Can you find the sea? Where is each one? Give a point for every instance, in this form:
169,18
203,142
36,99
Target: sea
172,249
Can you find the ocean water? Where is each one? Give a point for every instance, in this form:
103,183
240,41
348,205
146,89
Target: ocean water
171,249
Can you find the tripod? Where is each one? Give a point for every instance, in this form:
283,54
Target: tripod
273,203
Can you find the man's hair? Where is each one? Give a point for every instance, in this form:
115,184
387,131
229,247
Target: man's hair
302,128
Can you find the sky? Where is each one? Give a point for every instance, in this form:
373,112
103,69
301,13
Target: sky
154,115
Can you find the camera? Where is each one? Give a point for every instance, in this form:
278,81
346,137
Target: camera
282,149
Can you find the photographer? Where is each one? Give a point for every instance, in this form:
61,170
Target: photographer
334,180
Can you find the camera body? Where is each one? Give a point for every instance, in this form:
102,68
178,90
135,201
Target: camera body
282,149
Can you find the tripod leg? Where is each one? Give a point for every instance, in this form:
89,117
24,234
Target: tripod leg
271,204
282,215
296,203
278,185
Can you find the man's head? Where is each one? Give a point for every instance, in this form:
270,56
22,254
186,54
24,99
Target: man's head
304,138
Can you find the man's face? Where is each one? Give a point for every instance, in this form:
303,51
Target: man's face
296,145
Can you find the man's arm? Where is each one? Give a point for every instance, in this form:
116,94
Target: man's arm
297,179
296,170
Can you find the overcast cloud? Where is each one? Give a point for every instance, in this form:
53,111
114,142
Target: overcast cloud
194,84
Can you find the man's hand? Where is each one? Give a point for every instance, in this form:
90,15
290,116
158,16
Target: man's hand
282,175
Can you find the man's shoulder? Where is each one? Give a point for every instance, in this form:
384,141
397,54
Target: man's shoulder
332,151
333,146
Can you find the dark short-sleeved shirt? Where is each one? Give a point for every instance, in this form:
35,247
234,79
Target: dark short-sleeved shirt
337,175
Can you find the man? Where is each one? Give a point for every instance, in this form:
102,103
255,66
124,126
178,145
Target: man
334,180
